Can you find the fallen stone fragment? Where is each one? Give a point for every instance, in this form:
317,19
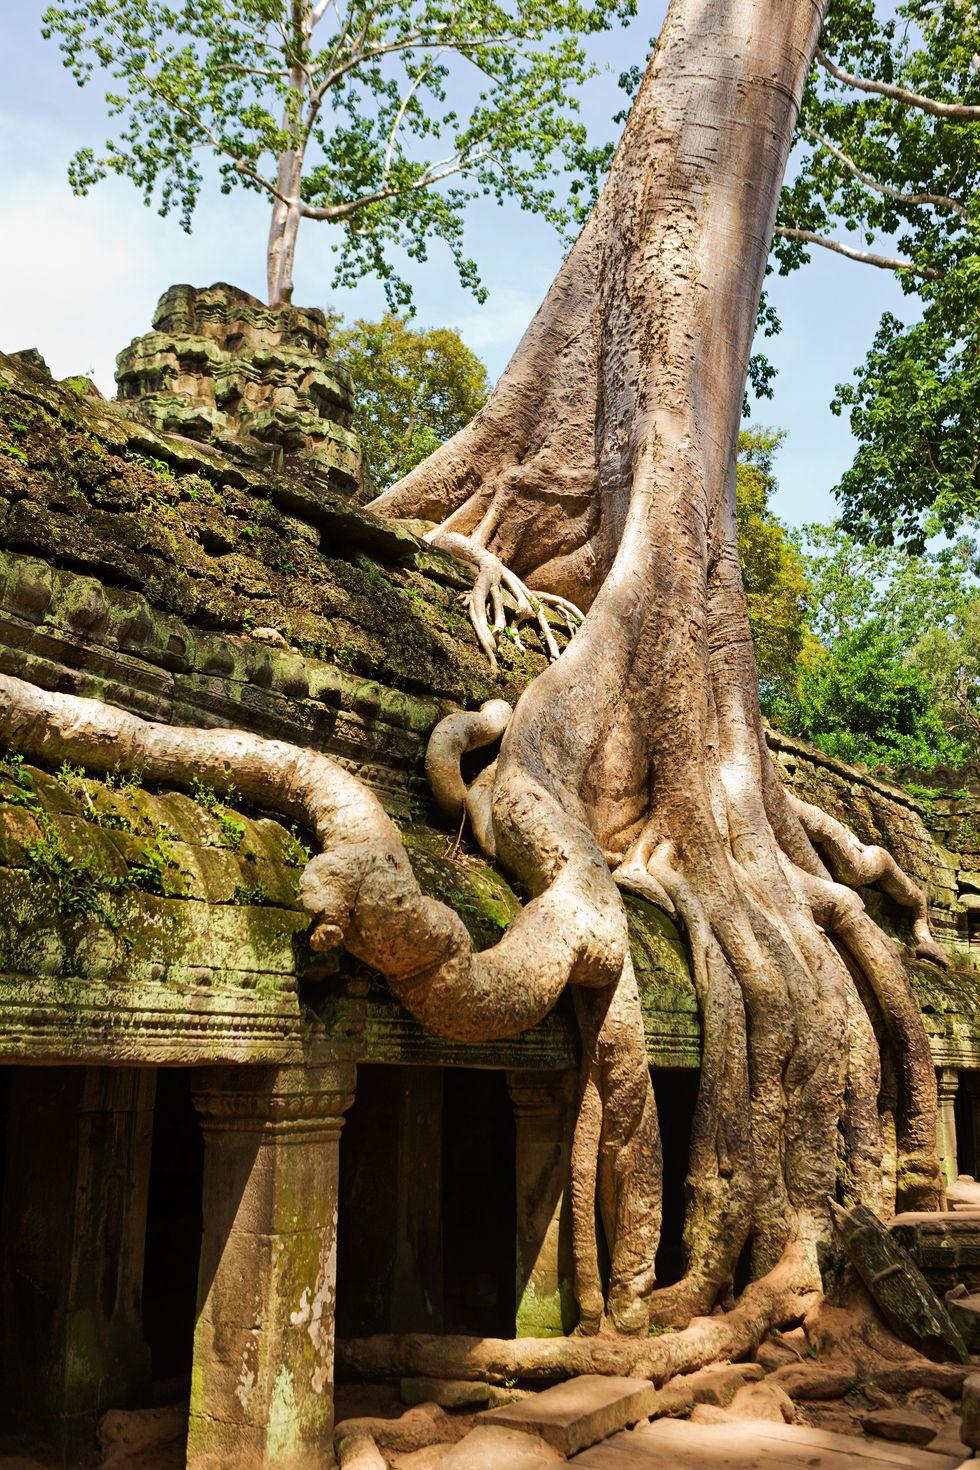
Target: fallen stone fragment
720,1382
970,1412
359,1452
904,1425
803,1381
894,1281
764,1401
773,1355
964,1194
492,1447
964,1308
717,1384
431,1458
574,1414
125,1435
448,1393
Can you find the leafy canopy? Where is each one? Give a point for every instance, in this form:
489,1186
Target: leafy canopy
378,106
414,389
884,168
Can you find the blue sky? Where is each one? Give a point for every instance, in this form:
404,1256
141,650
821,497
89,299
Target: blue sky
80,277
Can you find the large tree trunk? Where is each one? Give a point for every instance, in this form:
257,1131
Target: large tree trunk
603,469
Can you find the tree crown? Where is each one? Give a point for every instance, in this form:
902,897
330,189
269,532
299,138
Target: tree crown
379,105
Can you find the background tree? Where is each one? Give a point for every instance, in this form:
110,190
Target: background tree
891,672
413,390
776,589
348,111
889,154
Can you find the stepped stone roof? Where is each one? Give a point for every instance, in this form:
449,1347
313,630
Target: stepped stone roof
211,584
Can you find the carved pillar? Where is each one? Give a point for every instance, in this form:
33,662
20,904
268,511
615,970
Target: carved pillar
946,1122
71,1248
544,1116
416,1294
262,1385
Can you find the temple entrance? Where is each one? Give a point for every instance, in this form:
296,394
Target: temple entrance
173,1235
676,1093
427,1234
479,1204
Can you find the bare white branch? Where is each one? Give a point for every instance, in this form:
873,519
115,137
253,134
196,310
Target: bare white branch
403,108
442,170
866,257
957,110
939,201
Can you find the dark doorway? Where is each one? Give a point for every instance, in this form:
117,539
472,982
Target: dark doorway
479,1204
173,1234
964,1113
676,1093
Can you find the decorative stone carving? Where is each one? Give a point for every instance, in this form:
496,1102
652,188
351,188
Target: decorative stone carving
895,1282
220,366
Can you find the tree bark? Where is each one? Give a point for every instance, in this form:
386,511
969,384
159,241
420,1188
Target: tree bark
286,213
603,469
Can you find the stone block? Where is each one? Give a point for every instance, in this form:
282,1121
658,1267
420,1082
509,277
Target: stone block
448,1393
970,1412
493,1447
579,1412
903,1425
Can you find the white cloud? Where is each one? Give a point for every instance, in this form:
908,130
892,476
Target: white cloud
74,282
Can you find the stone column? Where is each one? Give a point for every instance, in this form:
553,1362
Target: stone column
72,1233
544,1114
262,1384
948,1081
417,1287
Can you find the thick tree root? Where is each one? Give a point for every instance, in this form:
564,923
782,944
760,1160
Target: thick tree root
452,738
777,1300
857,865
360,890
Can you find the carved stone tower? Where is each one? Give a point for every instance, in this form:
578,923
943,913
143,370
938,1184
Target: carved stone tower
220,366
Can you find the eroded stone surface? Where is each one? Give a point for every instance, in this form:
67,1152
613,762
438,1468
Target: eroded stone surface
494,1447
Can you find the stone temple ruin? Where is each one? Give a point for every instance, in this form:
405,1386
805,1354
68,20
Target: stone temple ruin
219,1151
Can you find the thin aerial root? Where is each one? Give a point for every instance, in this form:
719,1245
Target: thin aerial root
856,864
450,741
486,604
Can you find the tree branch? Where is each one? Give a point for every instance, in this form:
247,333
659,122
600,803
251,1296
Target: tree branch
343,211
403,108
957,110
941,201
866,257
